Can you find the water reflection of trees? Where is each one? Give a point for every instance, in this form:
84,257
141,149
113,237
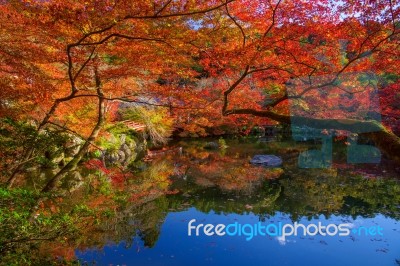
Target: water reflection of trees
303,196
306,194
225,183
222,184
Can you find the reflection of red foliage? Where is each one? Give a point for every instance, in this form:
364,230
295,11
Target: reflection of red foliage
340,138
138,196
96,164
172,192
117,176
59,251
145,195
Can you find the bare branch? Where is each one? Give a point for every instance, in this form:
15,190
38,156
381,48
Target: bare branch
273,19
232,87
190,13
84,64
238,25
74,132
163,7
118,35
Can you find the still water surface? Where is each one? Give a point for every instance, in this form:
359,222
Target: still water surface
220,187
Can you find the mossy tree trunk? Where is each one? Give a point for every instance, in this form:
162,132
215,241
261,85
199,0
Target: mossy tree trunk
71,165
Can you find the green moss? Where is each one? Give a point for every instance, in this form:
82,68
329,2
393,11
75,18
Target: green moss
222,143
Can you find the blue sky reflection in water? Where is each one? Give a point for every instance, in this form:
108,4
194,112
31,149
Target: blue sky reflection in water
175,247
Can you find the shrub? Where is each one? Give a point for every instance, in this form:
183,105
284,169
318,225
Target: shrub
18,137
159,125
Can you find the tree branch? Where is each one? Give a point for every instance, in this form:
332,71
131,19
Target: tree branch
74,132
273,19
238,25
190,13
232,87
163,7
84,65
118,35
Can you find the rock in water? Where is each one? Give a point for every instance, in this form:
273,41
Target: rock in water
211,146
266,160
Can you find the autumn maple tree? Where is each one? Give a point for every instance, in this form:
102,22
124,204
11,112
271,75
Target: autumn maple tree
270,44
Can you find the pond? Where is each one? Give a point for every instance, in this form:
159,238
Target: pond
176,192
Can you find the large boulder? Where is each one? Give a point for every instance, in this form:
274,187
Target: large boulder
73,145
211,146
125,150
73,181
266,160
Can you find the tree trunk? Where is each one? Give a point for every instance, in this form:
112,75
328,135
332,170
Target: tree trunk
52,183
